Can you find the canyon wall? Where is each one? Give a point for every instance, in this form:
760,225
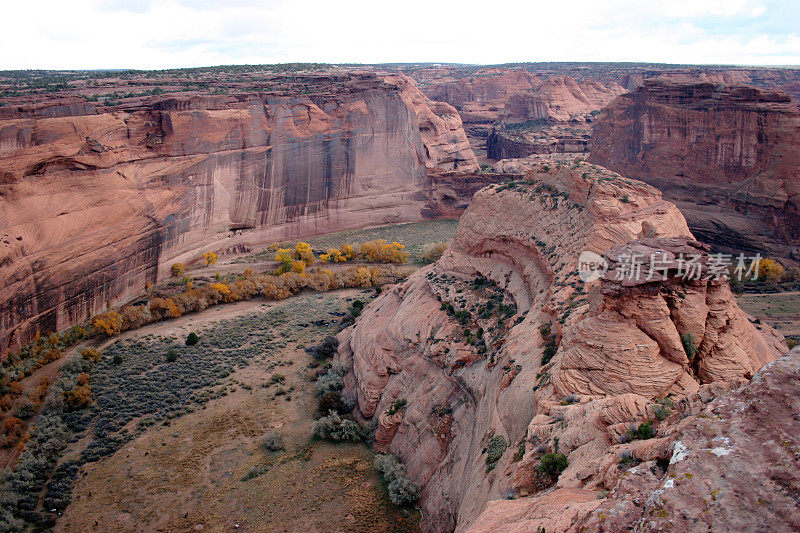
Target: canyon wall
504,355
98,200
728,156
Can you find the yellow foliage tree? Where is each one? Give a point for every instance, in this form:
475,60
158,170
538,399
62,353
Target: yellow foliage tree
177,269
771,270
165,307
285,256
298,267
381,251
304,253
210,258
347,251
109,323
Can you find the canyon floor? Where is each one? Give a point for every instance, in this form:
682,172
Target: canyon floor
205,470
176,445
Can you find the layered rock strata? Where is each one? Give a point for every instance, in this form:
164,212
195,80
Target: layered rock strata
96,200
503,355
726,155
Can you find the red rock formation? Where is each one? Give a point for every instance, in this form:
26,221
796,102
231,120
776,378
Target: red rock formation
561,99
734,467
465,339
554,117
727,156
97,200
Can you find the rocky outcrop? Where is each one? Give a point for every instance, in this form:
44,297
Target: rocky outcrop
561,99
726,155
554,117
504,143
733,467
503,355
96,200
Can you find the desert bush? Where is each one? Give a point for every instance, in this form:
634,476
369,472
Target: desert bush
333,255
192,339
285,256
12,429
770,270
272,441
643,432
79,397
172,355
398,404
298,267
549,351
91,354
324,350
433,251
330,382
688,345
381,251
135,316
335,428
25,410
356,307
302,252
163,308
553,464
401,489
332,401
495,448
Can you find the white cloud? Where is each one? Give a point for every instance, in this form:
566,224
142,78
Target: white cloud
175,33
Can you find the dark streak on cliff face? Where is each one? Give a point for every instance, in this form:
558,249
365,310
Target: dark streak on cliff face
727,156
118,195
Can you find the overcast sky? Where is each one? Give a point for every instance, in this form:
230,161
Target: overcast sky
152,34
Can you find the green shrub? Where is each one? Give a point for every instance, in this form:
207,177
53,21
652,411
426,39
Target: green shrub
661,412
337,429
553,464
172,355
549,351
401,489
356,307
643,432
688,345
117,359
192,339
398,404
494,450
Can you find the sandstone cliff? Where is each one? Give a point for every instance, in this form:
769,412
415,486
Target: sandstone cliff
97,199
727,155
554,117
560,98
503,355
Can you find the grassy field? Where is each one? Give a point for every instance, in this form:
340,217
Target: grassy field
415,236
779,310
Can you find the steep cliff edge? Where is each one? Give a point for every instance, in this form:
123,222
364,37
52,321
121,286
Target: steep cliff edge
503,355
726,155
97,199
554,117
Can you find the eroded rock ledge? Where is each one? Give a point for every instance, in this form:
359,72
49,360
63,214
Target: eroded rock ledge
465,343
